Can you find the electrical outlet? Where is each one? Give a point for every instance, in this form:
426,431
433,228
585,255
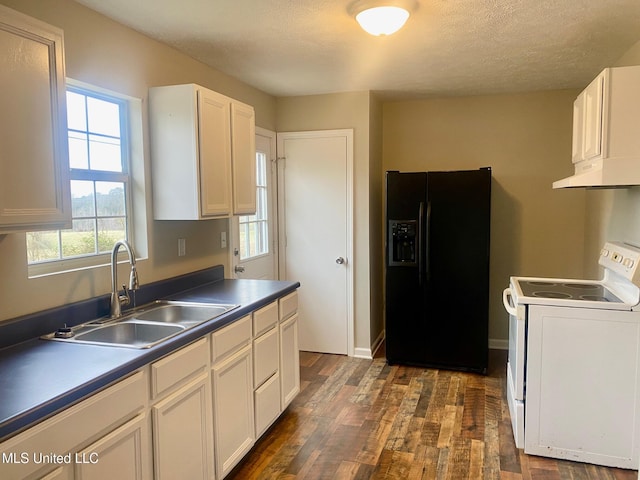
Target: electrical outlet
223,239
182,247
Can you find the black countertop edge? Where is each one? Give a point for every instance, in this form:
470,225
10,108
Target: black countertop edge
228,291
34,325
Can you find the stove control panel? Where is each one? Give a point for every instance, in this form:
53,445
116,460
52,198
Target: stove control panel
622,259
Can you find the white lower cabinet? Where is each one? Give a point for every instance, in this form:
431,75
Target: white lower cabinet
266,367
122,454
60,473
233,409
289,360
181,414
192,414
110,428
267,402
183,437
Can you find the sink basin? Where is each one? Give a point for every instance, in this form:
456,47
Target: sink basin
180,313
145,327
130,334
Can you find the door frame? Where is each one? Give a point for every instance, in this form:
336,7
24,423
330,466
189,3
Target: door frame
273,221
350,263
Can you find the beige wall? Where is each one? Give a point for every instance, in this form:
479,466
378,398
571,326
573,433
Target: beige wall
526,139
612,214
376,214
109,55
336,111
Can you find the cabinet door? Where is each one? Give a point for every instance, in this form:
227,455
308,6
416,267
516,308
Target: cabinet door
592,133
61,473
233,410
243,135
578,127
289,361
123,454
182,433
34,183
214,142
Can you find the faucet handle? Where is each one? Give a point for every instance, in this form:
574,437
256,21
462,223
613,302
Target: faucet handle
125,298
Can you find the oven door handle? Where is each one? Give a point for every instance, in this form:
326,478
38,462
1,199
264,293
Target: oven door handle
506,300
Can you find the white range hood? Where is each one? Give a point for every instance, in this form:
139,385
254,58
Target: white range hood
609,172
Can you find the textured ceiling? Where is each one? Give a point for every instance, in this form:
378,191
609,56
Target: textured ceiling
447,47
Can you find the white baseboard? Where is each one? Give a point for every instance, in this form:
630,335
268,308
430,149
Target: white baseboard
369,352
494,344
363,353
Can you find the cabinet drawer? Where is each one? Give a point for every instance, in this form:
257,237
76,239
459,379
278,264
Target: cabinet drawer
230,339
267,404
265,318
265,356
177,368
288,305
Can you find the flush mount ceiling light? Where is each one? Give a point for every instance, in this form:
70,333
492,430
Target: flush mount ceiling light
382,17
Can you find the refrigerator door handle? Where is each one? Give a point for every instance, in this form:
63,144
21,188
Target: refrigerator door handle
428,242
419,245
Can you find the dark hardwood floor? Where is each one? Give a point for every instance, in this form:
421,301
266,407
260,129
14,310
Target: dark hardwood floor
362,419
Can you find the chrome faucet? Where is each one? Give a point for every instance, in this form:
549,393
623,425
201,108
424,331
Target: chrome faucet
118,300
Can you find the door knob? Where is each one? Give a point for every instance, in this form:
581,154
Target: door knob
238,269
339,260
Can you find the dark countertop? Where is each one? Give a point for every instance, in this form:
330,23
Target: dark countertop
39,378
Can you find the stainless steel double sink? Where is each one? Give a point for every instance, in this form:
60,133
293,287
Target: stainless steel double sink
144,327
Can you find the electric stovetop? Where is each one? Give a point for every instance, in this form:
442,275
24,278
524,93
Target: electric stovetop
593,292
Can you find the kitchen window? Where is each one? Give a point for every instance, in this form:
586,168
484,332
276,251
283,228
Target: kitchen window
254,229
98,126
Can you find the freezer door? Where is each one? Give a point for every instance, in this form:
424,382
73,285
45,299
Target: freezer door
405,289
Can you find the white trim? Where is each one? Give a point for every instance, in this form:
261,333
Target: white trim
135,197
378,343
368,353
498,344
363,353
348,134
273,220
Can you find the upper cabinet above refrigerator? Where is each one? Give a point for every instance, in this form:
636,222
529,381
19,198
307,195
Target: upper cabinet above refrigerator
606,144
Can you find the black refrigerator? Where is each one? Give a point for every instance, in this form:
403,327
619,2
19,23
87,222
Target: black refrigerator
437,269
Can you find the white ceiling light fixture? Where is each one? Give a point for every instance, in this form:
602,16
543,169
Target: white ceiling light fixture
382,17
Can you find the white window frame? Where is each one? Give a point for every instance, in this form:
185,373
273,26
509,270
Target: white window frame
132,175
260,223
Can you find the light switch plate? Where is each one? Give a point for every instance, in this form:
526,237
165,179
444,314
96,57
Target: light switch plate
223,239
182,247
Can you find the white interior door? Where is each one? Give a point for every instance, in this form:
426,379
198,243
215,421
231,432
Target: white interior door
315,205
253,237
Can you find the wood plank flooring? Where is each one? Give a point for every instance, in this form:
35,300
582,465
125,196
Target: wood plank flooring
362,419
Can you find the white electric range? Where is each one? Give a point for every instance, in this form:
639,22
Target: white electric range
573,374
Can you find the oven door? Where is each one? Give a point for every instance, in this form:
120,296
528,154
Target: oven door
516,365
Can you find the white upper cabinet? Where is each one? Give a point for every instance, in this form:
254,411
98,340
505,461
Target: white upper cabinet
201,144
34,161
243,149
589,112
606,144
